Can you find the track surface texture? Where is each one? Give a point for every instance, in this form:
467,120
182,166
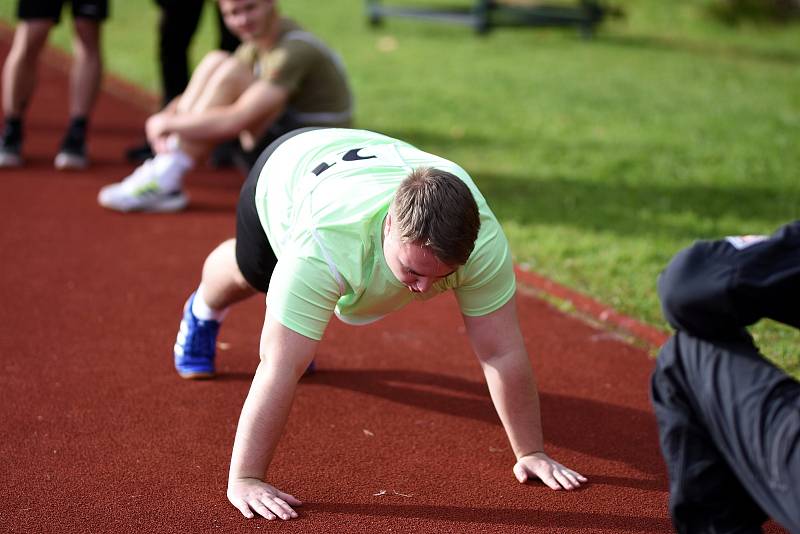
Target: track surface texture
395,432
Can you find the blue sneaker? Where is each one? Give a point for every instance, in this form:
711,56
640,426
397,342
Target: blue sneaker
196,345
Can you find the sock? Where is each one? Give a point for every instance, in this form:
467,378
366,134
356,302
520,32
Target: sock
78,126
202,311
12,131
170,168
173,143
75,136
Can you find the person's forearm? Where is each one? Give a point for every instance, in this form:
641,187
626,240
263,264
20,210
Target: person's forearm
516,399
262,421
172,106
210,125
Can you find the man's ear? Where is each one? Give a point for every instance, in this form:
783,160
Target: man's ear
387,224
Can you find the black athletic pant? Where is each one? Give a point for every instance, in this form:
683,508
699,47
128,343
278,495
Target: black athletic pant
176,27
729,421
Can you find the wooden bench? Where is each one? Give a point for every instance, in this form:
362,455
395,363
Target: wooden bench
484,15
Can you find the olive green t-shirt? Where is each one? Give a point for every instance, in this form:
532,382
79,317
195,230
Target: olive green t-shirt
311,73
322,197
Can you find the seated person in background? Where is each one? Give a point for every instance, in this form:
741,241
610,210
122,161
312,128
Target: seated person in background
279,79
178,21
729,420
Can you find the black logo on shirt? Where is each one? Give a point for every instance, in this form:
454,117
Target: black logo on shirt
350,155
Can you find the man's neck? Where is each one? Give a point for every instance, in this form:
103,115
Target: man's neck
270,37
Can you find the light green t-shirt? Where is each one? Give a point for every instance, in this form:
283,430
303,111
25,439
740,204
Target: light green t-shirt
322,197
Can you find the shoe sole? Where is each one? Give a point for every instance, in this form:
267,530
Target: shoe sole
70,162
169,206
196,375
10,161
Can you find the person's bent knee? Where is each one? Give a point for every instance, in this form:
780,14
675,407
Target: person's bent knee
233,71
228,80
694,294
676,289
227,248
213,59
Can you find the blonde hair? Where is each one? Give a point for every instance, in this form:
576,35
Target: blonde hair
435,209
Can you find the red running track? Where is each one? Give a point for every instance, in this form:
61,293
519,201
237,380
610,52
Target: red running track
395,433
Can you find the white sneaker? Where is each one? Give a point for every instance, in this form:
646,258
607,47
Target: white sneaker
69,161
141,191
10,157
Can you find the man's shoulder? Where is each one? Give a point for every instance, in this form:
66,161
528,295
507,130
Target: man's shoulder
288,25
297,39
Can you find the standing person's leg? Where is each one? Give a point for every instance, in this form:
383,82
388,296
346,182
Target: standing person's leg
729,425
85,77
176,27
19,72
19,81
87,69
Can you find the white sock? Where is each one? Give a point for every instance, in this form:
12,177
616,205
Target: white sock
202,311
170,168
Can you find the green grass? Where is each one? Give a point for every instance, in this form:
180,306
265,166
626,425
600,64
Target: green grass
601,157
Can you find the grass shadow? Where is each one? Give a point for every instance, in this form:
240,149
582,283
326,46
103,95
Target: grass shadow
700,48
628,209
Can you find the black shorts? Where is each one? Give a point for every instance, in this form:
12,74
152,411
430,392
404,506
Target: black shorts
51,9
254,255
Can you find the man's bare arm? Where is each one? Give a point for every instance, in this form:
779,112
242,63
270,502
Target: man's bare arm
498,344
285,355
255,108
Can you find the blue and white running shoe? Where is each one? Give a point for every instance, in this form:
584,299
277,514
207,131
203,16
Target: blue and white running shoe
196,345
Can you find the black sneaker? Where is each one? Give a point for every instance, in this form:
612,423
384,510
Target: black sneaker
11,145
139,153
72,155
71,160
223,155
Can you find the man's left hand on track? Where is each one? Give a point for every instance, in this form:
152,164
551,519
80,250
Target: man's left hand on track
552,473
